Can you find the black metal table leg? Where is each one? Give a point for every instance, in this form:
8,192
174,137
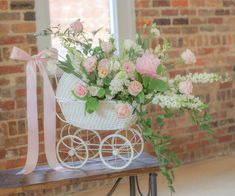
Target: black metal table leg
132,186
153,184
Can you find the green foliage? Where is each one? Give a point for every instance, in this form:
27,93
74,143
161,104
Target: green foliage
101,93
91,104
158,85
203,120
165,156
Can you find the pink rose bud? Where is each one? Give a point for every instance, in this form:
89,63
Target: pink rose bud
90,64
102,72
147,64
188,57
80,90
76,26
129,67
107,46
186,87
123,110
103,68
135,88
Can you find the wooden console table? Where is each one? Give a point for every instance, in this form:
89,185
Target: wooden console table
44,177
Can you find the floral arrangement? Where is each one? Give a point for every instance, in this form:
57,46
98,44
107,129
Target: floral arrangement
136,77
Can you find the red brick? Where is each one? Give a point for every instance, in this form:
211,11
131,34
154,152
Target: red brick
22,5
198,21
15,163
225,138
23,27
3,5
7,104
189,30
171,30
226,85
11,69
215,20
12,39
12,128
214,3
188,12
180,3
4,81
2,153
22,92
4,28
5,16
170,12
142,3
176,72
197,3
161,3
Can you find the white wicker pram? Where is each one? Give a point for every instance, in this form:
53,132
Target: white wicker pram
75,148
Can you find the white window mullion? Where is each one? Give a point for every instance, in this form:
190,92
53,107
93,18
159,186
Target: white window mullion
42,22
122,20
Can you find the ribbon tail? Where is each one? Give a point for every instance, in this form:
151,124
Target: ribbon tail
32,116
49,121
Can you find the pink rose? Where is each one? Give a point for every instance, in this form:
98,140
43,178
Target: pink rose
147,64
103,68
129,67
76,26
135,88
80,90
188,57
186,87
123,110
107,46
90,64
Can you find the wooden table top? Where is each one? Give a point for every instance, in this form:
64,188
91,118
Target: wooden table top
44,177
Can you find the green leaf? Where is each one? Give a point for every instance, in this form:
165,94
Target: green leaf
158,85
160,69
107,81
91,104
160,119
140,97
146,80
101,93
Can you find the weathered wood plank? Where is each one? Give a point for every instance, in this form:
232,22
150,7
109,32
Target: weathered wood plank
43,177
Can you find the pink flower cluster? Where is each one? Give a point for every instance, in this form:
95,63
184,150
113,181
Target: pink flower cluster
186,87
188,57
147,64
90,64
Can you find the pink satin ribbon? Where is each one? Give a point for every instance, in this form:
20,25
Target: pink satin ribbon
32,112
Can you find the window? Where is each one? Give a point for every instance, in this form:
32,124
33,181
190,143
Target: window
117,16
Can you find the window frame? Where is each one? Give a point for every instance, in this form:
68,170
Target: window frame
122,15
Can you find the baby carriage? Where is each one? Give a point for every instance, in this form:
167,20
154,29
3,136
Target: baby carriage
100,134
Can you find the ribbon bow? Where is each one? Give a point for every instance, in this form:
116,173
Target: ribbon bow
32,112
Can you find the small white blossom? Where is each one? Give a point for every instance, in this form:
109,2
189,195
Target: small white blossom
176,101
128,44
93,90
114,65
155,32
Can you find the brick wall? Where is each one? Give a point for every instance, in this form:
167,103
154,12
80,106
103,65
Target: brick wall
208,28
205,26
17,25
